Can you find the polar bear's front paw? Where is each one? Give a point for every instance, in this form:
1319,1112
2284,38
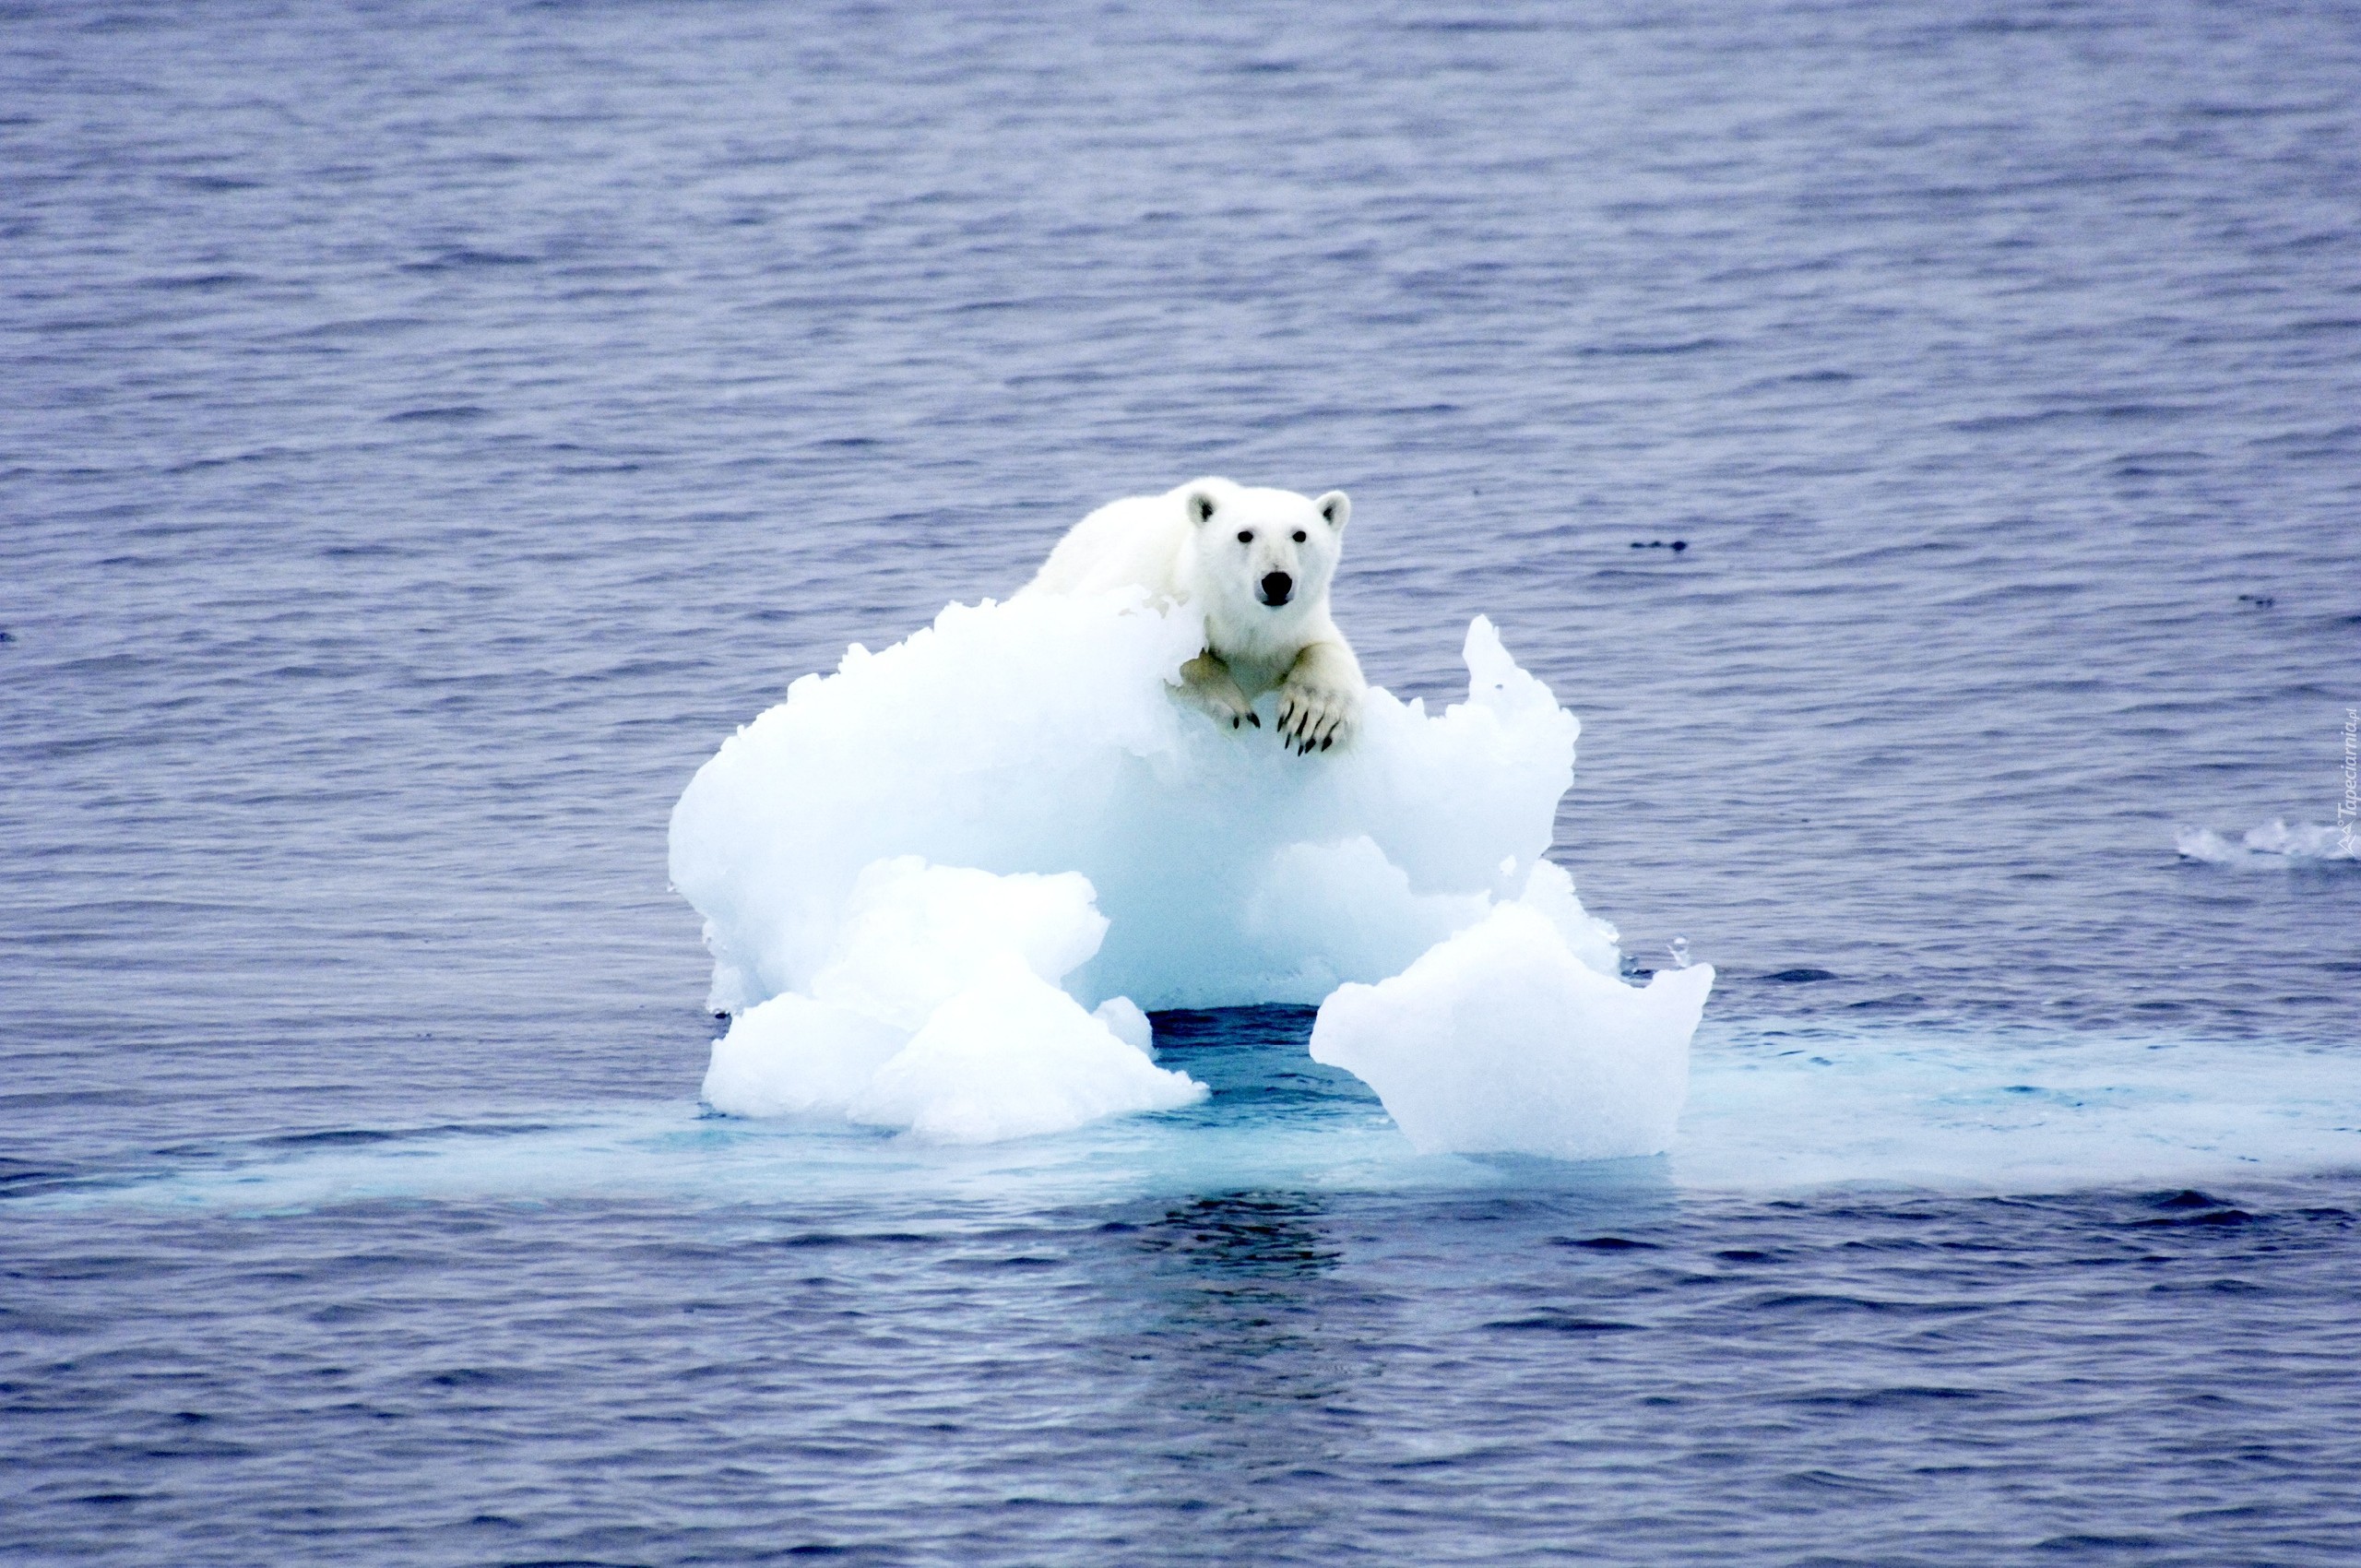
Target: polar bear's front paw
1315,714
1206,682
1231,707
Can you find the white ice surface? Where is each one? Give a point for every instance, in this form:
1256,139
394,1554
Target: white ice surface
1012,1056
911,936
1039,736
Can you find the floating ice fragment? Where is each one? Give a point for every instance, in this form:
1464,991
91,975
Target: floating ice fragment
937,1010
1502,1040
2272,844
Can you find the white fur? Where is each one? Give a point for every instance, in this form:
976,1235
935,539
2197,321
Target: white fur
1186,545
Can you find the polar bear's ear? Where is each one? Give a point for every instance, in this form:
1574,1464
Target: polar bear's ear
1335,506
1201,505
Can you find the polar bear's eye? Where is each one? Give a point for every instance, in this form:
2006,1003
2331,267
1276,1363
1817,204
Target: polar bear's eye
1246,536
1298,535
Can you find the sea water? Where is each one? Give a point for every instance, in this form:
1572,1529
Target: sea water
1915,441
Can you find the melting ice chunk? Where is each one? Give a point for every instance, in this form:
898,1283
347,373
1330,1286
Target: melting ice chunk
1502,1040
921,873
938,1010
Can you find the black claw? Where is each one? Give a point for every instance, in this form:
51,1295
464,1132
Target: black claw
1255,720
1233,721
1327,742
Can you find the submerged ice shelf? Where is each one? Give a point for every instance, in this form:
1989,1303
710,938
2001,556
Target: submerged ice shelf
1893,1109
941,883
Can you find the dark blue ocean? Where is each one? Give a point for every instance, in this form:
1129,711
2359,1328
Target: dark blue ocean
1922,441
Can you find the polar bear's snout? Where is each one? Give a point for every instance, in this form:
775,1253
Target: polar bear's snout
1277,588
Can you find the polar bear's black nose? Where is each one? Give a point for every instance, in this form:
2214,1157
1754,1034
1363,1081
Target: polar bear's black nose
1276,586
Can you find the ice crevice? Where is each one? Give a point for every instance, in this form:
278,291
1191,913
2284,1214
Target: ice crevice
943,883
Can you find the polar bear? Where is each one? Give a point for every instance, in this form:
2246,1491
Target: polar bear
1258,563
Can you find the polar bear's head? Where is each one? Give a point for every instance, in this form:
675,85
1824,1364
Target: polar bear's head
1264,555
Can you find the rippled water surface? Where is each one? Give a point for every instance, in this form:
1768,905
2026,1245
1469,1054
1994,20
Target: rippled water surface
428,432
